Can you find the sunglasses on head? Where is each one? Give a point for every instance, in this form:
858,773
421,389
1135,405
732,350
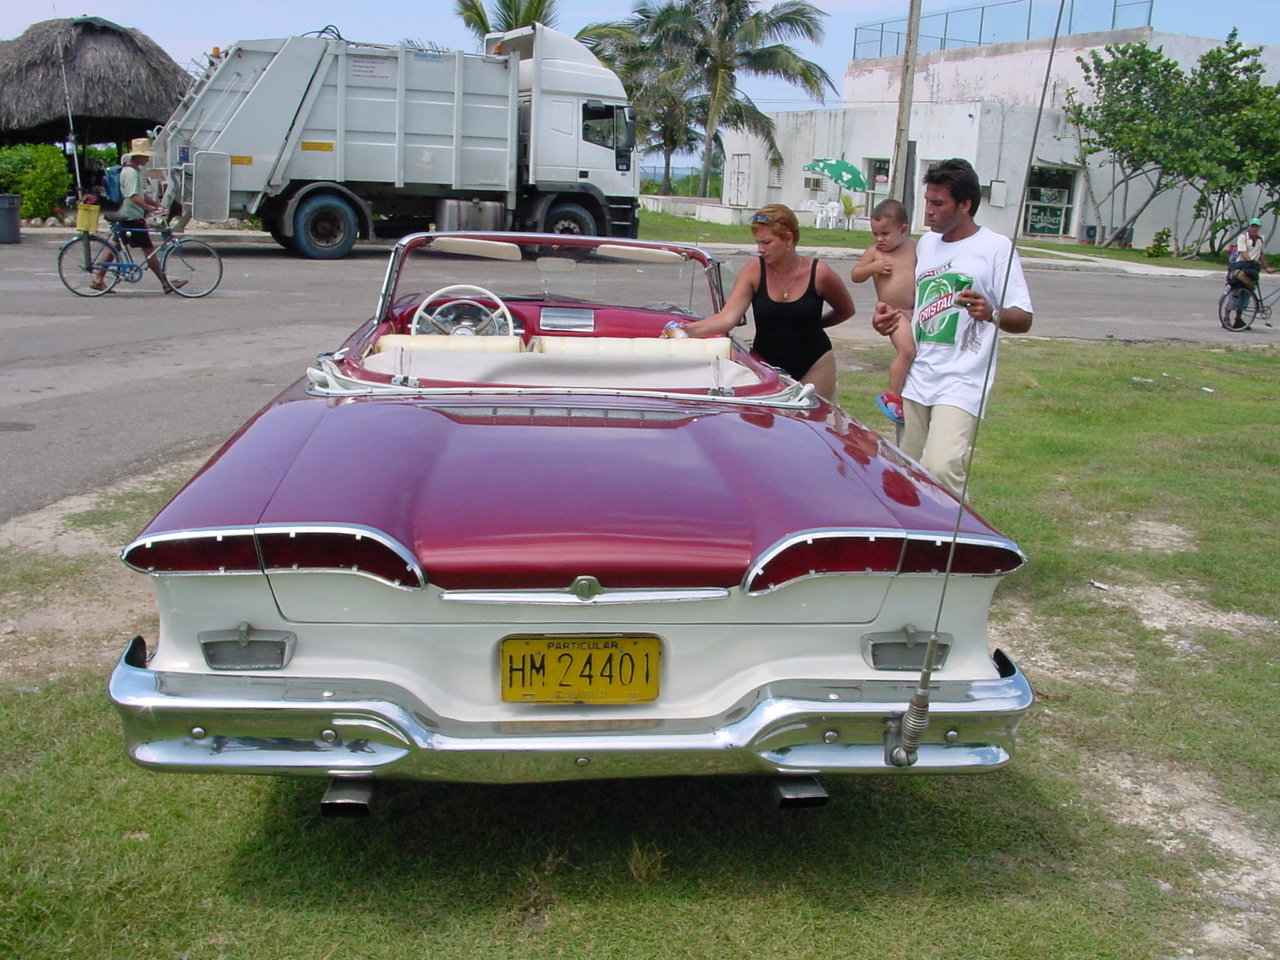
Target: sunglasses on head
761,218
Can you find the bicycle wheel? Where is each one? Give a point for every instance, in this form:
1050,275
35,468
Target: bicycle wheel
1237,309
191,267
80,260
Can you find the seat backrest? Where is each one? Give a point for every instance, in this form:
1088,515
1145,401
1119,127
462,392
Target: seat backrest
405,341
698,347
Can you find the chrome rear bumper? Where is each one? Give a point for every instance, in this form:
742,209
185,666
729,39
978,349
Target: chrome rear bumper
225,723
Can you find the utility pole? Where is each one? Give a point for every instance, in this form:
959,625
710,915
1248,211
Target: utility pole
901,161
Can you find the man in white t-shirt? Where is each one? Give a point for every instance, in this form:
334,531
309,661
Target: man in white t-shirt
961,298
1250,256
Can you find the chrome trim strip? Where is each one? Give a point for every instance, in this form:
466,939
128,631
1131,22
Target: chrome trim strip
871,533
272,724
607,595
567,318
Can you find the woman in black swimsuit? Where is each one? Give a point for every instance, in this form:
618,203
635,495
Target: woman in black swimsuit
787,294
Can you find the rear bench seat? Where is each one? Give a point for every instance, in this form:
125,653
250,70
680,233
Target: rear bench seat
463,344
644,363
692,347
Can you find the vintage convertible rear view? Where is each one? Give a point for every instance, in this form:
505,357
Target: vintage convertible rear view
508,533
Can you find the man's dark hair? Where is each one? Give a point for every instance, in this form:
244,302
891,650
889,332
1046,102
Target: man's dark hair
890,210
959,178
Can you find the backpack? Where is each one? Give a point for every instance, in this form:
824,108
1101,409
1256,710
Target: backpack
110,194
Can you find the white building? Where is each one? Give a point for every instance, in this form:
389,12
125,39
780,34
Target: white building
979,103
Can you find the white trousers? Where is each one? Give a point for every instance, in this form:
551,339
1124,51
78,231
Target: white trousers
939,438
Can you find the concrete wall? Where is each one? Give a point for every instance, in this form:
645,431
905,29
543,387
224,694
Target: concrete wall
979,103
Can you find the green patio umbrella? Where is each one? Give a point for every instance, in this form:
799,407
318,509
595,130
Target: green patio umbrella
841,172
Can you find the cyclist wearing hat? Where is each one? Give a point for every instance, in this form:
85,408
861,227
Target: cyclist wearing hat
134,208
1250,256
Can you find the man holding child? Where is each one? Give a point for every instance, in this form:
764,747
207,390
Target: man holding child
968,283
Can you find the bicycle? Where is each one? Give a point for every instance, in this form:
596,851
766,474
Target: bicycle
191,267
1241,305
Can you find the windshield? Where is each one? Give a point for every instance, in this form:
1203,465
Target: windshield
617,273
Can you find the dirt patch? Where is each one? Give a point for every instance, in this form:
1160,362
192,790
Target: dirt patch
1172,806
86,626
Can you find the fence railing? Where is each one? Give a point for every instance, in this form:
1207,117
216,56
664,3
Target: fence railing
1001,22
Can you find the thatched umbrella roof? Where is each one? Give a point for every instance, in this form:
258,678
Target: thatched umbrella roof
121,83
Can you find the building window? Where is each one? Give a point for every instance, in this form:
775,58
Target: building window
878,185
775,175
1050,202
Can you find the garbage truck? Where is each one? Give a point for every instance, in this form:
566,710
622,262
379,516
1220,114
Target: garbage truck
327,141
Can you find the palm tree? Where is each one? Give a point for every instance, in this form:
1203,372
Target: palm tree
723,38
667,115
507,15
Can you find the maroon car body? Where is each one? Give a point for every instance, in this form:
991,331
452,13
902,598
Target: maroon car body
375,575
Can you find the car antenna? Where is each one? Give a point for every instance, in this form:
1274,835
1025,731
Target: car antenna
902,741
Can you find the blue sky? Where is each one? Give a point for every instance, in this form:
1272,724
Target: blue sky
188,28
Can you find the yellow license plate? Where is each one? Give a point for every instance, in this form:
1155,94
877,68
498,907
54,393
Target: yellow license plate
580,669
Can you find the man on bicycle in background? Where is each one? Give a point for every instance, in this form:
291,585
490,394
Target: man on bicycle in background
134,208
1250,256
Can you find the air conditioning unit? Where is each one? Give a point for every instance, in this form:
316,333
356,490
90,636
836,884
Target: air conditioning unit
1090,233
814,183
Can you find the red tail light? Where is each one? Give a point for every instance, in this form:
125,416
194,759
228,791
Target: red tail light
818,554
203,552
930,556
271,549
822,553
340,550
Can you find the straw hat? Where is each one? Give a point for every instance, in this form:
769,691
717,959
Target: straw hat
141,147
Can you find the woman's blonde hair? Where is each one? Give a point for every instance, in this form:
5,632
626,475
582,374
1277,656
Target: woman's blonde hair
776,218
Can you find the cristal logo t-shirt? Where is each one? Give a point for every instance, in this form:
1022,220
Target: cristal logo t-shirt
938,316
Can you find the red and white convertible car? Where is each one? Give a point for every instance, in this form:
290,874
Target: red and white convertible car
507,533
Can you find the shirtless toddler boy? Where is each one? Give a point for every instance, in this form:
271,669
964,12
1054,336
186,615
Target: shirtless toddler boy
892,262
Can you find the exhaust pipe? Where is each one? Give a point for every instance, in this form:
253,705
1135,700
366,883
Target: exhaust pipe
791,792
349,798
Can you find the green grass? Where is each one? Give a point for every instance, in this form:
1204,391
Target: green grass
1133,254
665,226
1086,444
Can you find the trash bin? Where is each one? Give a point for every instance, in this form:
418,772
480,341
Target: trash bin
10,223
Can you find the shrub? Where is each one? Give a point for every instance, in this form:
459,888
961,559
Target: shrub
1159,244
39,172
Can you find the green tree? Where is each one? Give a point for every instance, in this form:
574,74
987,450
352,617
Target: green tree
1211,133
39,172
667,115
1130,118
720,40
1237,142
504,15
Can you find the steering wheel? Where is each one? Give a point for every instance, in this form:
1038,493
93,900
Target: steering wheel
449,319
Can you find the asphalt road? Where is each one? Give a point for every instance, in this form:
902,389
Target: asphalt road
93,390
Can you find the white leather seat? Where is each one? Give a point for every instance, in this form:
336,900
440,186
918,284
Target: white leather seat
697,347
404,341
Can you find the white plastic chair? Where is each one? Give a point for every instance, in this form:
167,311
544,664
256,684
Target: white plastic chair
835,215
818,211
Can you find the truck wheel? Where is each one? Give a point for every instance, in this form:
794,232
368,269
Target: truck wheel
324,227
571,218
272,226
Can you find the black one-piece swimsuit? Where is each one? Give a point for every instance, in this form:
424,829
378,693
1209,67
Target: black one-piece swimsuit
789,333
